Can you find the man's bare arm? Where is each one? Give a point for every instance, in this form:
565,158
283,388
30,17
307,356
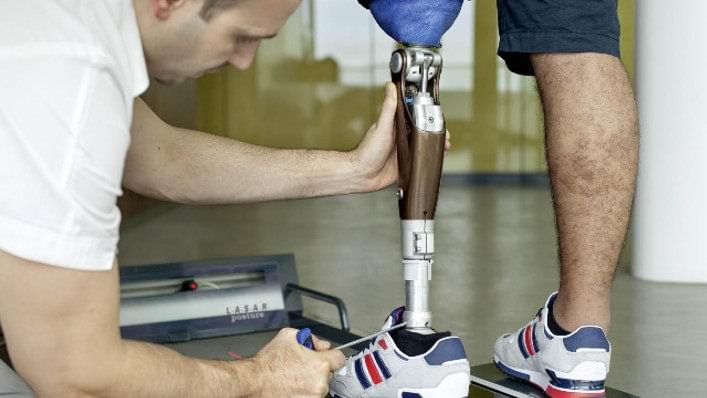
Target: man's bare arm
193,167
62,331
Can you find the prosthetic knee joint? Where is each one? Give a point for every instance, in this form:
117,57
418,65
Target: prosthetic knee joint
420,138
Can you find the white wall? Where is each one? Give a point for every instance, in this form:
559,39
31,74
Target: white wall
670,219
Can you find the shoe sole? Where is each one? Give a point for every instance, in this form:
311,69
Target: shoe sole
455,385
543,382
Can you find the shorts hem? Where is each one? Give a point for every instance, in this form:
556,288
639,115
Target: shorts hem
515,46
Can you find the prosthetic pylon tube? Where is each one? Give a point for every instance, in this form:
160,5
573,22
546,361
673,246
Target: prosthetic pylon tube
420,137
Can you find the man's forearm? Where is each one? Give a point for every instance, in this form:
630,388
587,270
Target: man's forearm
142,370
211,169
149,370
193,167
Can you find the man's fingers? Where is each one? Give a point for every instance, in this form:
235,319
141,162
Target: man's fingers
389,105
320,345
334,358
286,333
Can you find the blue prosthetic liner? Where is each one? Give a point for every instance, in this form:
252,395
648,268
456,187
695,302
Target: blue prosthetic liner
416,22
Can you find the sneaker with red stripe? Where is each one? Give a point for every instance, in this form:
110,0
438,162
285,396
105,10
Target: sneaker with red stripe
383,370
571,366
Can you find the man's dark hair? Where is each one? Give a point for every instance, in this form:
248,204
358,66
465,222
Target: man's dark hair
211,7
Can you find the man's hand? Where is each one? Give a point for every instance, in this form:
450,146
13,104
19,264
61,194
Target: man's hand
299,372
376,153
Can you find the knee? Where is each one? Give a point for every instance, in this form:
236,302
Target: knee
575,64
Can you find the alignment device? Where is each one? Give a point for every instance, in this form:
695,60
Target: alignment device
420,137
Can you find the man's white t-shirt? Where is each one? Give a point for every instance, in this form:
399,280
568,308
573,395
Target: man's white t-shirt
69,73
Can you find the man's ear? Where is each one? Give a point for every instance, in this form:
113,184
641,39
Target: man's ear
164,8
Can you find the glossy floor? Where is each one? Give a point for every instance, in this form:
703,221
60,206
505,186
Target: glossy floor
495,265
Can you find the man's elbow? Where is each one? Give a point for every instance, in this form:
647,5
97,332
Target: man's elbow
73,380
171,184
64,387
65,391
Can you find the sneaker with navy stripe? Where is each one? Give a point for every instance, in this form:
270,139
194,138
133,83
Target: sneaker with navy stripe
571,366
384,370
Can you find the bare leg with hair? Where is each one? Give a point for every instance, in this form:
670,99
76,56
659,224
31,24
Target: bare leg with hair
591,137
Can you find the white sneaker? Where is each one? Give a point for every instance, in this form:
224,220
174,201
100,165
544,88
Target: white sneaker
383,370
572,366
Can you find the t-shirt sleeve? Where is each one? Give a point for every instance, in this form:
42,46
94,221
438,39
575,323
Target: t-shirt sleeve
64,133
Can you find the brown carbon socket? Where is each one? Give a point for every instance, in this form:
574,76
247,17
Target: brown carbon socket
420,155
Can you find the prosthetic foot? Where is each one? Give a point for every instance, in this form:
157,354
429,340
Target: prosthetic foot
420,138
391,368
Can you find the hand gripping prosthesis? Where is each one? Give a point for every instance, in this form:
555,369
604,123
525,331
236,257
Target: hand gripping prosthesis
420,138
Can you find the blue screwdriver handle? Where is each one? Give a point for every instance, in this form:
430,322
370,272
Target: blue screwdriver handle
304,338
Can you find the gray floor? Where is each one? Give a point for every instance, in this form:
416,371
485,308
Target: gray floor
495,265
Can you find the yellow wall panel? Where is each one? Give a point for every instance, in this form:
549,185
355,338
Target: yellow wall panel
318,84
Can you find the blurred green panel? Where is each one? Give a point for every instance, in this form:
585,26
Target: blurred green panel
627,16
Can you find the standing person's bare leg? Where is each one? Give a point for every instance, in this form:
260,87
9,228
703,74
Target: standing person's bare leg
592,152
591,138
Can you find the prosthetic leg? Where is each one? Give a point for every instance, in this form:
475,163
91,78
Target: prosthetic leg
420,138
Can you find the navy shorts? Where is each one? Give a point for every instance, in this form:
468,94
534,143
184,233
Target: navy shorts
555,26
